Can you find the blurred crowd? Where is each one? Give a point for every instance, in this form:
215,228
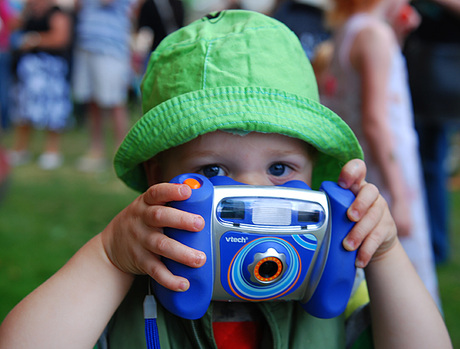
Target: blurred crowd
390,68
78,62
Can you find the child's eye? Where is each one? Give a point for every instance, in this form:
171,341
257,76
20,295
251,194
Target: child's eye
212,171
278,169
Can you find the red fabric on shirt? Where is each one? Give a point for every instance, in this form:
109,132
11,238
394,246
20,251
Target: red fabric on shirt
241,335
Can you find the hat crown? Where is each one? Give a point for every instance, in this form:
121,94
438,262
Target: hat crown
234,70
229,48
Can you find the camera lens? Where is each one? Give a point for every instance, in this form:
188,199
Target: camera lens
268,269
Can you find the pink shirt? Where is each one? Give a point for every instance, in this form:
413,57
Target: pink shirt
6,14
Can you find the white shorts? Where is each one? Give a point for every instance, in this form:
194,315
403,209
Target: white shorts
100,78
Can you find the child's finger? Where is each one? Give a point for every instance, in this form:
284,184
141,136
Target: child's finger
364,226
162,193
163,216
366,197
352,175
161,274
164,246
369,246
378,242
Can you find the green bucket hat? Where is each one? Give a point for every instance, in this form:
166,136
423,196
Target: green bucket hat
232,70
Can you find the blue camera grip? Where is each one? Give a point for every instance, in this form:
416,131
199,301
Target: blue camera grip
334,289
193,303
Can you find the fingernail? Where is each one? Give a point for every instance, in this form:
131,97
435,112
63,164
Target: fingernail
342,184
353,215
198,223
199,259
183,286
349,244
359,264
184,190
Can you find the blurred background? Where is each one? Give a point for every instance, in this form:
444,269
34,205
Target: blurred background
57,186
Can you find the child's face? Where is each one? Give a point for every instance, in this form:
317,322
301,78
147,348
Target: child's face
256,158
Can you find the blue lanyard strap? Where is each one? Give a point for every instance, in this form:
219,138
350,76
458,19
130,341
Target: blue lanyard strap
150,316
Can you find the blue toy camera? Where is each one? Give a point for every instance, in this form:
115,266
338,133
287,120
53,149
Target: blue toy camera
264,243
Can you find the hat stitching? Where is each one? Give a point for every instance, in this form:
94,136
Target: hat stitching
321,142
254,122
232,123
284,116
310,107
330,128
205,68
146,123
246,91
175,46
244,32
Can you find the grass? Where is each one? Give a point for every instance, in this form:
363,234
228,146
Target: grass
46,216
448,274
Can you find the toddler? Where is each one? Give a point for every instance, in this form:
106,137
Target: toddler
231,94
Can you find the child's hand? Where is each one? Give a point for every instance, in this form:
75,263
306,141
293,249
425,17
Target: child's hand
375,231
134,239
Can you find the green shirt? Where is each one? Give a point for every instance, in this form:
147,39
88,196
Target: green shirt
288,326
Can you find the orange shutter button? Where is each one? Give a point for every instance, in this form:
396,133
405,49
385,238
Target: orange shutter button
192,183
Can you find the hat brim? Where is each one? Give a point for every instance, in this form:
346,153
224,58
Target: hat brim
251,109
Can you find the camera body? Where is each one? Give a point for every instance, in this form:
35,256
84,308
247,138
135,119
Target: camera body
264,243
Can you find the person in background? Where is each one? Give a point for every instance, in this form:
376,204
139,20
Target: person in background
306,19
40,93
101,72
162,17
372,95
433,60
8,18
154,20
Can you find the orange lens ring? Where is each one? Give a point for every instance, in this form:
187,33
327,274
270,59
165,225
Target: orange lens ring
262,261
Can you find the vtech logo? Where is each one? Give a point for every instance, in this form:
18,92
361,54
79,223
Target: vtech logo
236,239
